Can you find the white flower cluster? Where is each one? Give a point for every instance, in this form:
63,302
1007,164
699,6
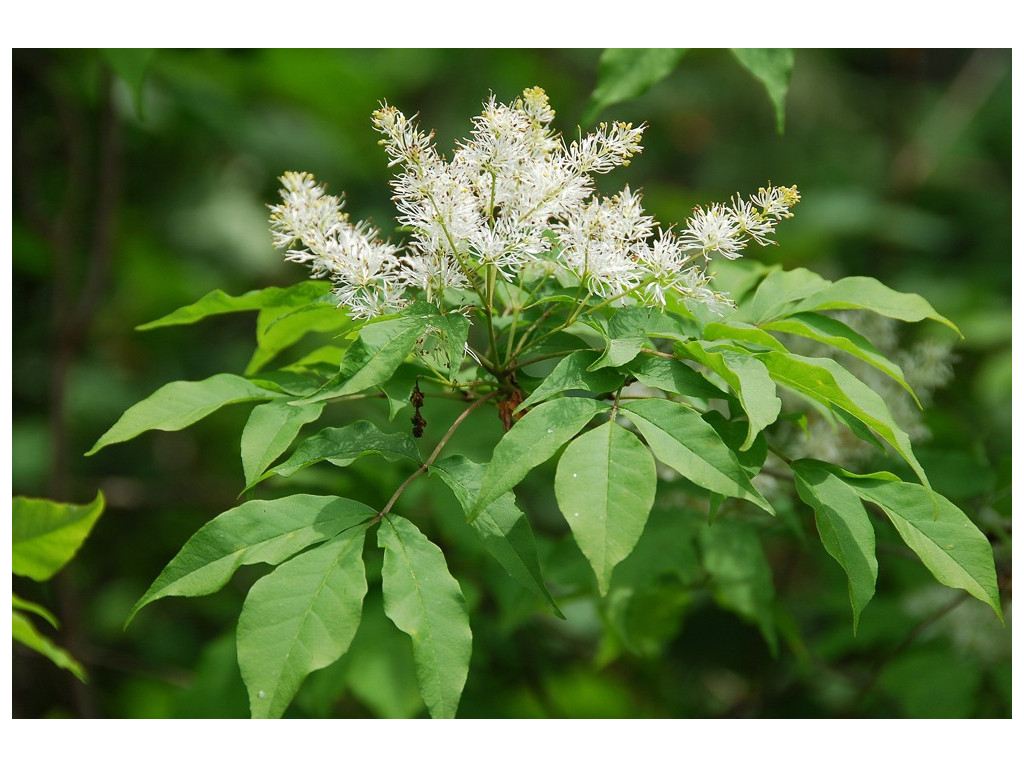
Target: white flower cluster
494,206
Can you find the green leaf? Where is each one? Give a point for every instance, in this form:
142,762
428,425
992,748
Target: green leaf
279,327
948,543
502,526
424,600
680,438
736,331
867,293
446,342
24,632
741,579
269,431
625,73
131,65
826,381
573,372
46,534
255,532
219,303
373,357
343,445
675,376
21,604
827,330
299,618
605,486
748,378
177,405
533,440
843,526
779,291
773,67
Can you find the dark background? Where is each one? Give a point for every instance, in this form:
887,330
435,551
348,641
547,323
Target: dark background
903,161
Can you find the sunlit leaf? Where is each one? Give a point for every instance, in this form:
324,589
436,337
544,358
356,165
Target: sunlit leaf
269,431
605,486
24,632
46,534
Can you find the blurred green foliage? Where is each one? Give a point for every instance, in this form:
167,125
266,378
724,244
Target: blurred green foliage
140,184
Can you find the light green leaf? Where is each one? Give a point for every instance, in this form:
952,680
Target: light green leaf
299,618
177,405
255,532
828,330
573,372
343,445
423,600
674,376
748,378
619,352
446,342
626,73
502,526
867,293
21,604
773,67
373,357
24,632
219,303
680,438
844,528
279,327
736,331
532,441
826,381
269,431
741,577
948,543
779,290
605,486
46,534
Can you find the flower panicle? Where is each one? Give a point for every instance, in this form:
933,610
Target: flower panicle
514,196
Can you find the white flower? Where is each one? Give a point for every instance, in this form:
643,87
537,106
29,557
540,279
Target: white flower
489,213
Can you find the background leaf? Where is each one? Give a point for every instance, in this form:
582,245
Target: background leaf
46,534
625,73
773,67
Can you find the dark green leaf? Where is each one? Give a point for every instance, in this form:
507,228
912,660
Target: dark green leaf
423,600
343,445
773,67
605,486
300,617
131,65
674,376
741,578
625,73
502,526
255,532
46,534
177,405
